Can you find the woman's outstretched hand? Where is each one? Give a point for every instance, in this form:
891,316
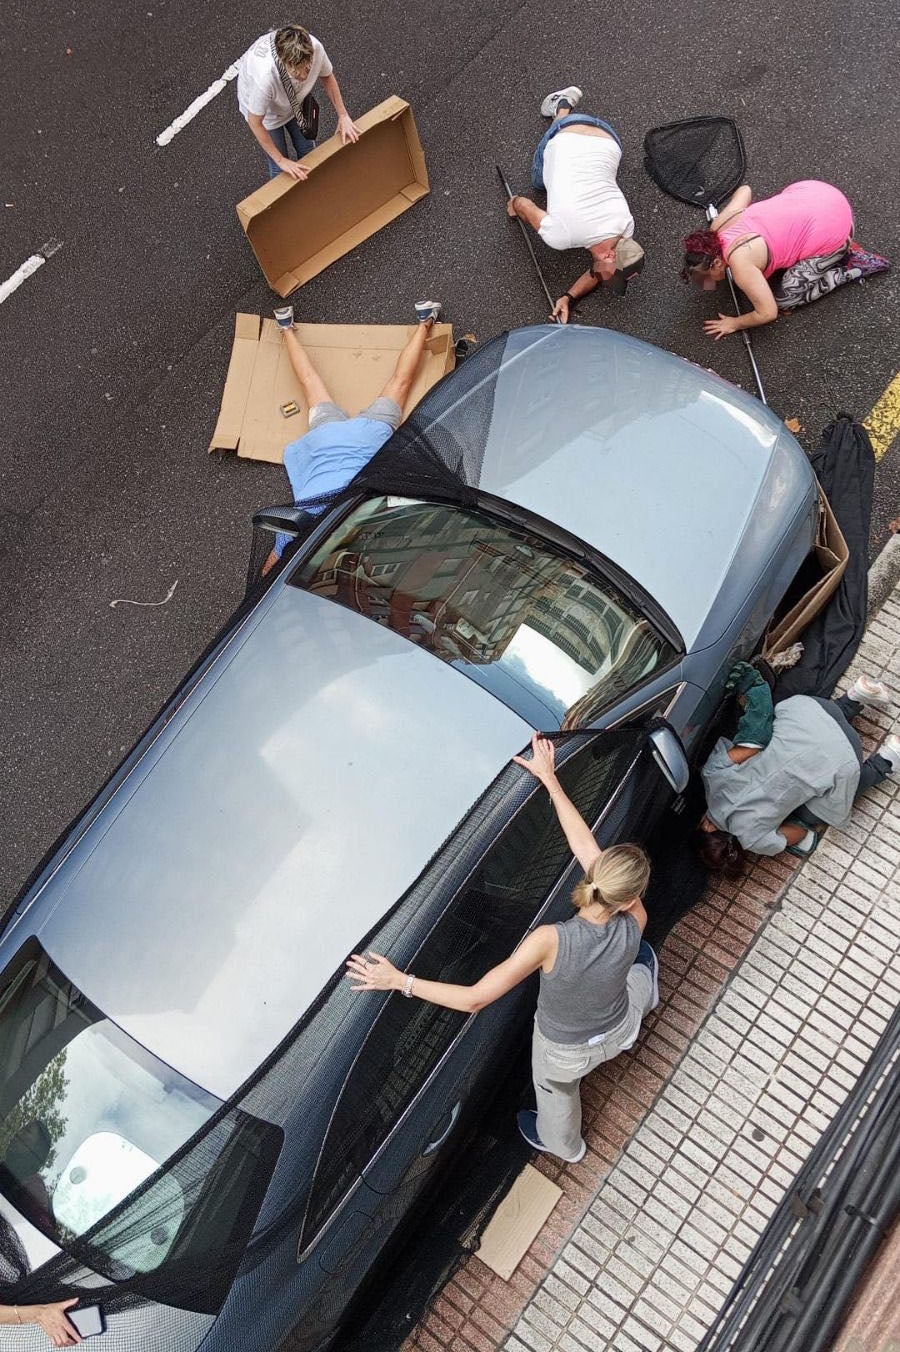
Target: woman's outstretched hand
543,759
373,972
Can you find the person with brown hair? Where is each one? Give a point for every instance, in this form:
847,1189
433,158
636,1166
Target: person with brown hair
598,977
276,77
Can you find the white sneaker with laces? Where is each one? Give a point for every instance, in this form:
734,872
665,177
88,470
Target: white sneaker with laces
427,309
890,750
873,693
572,95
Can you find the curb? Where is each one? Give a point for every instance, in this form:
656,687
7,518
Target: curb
884,575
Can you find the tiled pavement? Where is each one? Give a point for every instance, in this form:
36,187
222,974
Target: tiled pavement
775,989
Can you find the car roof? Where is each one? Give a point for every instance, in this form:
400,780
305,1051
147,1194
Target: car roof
651,460
298,793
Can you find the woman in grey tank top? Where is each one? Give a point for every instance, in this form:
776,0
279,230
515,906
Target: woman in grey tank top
598,978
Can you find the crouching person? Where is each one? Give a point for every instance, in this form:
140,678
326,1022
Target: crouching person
799,769
598,978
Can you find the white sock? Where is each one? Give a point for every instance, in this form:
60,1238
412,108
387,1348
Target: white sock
807,842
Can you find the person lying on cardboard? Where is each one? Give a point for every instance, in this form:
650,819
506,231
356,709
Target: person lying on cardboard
337,446
577,161
790,771
276,76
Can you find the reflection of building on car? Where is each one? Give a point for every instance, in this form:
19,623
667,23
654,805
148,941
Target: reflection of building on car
237,1136
478,593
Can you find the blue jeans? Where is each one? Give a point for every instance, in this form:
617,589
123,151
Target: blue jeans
302,145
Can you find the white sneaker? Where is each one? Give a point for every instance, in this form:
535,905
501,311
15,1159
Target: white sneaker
890,750
873,693
427,309
571,95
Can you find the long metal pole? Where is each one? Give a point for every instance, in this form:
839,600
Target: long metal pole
711,214
537,267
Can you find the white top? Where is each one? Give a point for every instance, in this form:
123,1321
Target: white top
259,87
584,202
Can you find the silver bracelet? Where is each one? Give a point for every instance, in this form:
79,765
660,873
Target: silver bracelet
407,989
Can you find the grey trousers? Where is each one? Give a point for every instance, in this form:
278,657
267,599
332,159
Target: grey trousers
558,1068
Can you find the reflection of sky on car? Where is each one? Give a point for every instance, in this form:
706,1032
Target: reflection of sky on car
121,1121
647,458
558,679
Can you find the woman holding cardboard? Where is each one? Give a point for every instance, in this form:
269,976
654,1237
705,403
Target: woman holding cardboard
276,77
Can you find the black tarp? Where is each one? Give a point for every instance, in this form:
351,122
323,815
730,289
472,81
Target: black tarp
845,466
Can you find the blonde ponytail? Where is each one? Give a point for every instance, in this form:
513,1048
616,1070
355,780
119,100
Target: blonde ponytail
620,874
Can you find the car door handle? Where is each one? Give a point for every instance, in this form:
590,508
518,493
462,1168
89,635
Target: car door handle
434,1145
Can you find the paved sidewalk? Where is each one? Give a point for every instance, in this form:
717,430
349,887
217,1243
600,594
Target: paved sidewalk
775,990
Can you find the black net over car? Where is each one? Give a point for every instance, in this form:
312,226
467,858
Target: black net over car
699,161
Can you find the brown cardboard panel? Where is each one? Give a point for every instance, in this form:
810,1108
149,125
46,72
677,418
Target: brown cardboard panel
237,384
355,361
298,228
832,555
517,1222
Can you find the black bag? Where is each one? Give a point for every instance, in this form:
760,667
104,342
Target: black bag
309,117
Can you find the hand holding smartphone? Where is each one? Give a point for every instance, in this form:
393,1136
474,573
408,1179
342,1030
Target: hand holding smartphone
87,1319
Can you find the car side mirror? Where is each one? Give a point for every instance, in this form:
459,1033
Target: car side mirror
292,521
287,520
669,756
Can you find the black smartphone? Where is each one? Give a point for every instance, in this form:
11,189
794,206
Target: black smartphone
87,1319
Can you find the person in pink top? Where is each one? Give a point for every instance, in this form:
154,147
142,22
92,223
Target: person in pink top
801,238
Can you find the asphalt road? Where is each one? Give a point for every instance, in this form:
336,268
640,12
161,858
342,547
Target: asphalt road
116,350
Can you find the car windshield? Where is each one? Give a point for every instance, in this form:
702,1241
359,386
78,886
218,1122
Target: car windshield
548,636
86,1114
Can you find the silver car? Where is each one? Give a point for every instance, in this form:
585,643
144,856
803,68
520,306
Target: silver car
201,1128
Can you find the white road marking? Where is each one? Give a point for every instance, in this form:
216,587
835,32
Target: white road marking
194,108
28,268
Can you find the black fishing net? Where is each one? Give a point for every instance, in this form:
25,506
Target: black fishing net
699,161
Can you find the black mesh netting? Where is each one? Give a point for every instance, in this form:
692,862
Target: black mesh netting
435,454
699,161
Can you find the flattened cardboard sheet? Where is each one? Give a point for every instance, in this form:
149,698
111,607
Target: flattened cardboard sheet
355,361
297,228
517,1222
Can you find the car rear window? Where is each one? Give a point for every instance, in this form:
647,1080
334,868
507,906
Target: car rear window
107,1150
552,639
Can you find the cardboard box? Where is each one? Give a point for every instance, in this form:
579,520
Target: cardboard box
355,361
831,555
297,228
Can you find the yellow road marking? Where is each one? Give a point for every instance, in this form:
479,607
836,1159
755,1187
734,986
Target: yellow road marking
883,423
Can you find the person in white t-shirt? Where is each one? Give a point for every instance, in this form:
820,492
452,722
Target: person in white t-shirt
577,162
275,75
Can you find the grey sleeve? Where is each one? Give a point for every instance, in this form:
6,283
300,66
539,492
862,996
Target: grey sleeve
765,842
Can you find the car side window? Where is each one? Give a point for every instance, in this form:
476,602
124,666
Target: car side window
480,927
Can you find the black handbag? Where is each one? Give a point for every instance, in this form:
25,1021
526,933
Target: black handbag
309,118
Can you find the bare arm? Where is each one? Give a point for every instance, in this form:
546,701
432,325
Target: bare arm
738,754
577,832
347,128
757,290
51,1318
286,165
375,973
584,285
740,198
